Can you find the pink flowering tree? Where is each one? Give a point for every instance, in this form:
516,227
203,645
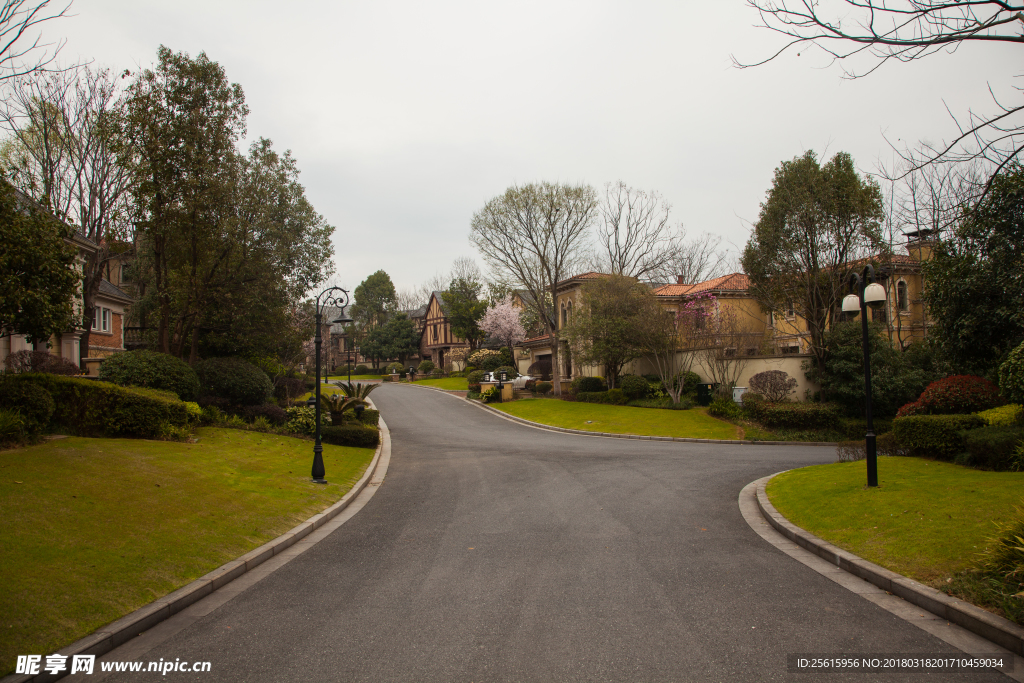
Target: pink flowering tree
501,321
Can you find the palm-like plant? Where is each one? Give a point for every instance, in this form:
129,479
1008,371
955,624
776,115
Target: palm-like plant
357,390
337,404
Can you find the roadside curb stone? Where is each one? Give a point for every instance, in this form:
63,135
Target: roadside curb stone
131,625
985,624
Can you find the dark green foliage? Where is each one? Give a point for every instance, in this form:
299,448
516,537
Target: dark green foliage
992,448
361,370
370,417
374,299
793,415
273,413
724,407
350,435
396,338
12,426
663,403
959,394
888,444
475,377
894,380
690,382
31,401
151,369
858,428
240,382
937,436
587,384
615,397
426,367
289,388
1011,376
974,284
543,388
491,363
635,388
465,308
90,408
510,372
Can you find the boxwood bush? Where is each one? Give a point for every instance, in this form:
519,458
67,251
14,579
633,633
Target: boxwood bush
90,408
634,387
370,417
240,382
151,369
29,400
350,435
587,385
992,448
938,436
509,371
791,415
425,367
614,397
541,388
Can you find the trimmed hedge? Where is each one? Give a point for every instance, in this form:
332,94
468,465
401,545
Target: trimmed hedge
370,417
89,408
425,367
274,414
959,395
792,415
151,369
350,435
614,397
541,388
634,387
1011,375
938,436
582,385
240,382
992,448
32,402
509,371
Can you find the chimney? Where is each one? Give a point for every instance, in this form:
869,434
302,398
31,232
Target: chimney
920,243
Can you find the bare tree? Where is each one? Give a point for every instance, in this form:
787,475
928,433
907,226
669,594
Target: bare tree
696,260
66,151
535,236
634,235
21,49
906,30
723,342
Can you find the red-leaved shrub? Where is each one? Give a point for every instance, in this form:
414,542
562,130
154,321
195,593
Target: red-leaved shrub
959,395
914,408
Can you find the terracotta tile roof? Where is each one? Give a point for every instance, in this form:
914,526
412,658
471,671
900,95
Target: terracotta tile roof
542,337
591,275
736,282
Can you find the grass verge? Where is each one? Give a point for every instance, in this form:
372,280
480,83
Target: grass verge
928,520
447,383
595,417
96,528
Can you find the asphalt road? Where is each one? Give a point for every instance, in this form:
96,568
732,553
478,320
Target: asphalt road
498,552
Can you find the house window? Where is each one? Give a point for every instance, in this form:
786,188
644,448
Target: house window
101,320
902,301
790,309
435,334
771,318
790,349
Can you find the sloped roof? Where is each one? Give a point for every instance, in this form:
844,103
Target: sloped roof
590,275
109,290
335,312
735,282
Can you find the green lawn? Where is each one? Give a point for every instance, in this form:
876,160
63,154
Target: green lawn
449,383
594,417
926,520
96,528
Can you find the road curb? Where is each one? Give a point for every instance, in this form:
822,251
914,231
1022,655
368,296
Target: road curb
985,624
637,437
131,625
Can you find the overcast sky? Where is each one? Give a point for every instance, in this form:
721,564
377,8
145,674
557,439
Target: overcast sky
406,117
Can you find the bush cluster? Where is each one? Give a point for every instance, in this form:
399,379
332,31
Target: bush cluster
153,370
240,382
634,387
361,370
370,417
1011,375
959,394
40,361
934,435
30,401
992,448
774,385
724,407
491,395
614,397
543,388
426,367
791,415
587,384
509,371
395,368
273,414
486,359
302,420
350,435
90,408
1003,416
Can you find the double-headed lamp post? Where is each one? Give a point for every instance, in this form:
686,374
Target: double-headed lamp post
332,296
867,293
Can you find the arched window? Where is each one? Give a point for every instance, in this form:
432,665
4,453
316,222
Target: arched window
568,311
902,300
565,319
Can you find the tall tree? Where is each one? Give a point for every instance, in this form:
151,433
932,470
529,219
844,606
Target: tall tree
21,49
603,327
534,236
38,279
635,238
396,339
465,309
974,282
374,300
184,119
814,222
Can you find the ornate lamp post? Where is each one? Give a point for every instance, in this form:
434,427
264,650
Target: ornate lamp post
867,292
332,296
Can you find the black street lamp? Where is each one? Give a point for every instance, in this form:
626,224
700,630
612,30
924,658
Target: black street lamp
867,292
332,296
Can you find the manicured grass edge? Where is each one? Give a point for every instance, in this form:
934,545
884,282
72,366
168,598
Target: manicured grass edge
127,627
975,619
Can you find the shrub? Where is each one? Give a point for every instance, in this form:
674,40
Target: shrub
486,359
361,370
543,388
350,435
1011,375
856,429
753,405
888,444
724,407
370,417
491,395
234,379
29,400
40,361
509,371
90,408
1003,416
289,388
959,395
302,420
992,448
151,369
475,377
774,385
11,426
634,387
426,366
851,451
194,412
800,415
587,384
913,408
690,382
395,368
934,435
268,411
